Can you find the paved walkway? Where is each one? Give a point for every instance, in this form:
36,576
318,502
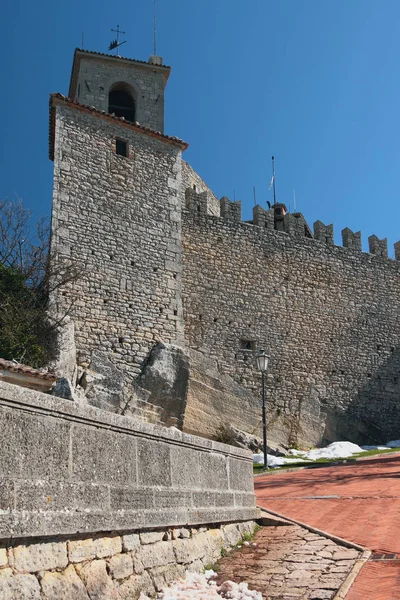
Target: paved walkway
289,562
359,502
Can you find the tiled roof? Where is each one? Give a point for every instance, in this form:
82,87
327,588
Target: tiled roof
9,365
134,60
60,99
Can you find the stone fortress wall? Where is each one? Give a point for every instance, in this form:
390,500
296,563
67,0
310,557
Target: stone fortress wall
95,504
328,317
164,261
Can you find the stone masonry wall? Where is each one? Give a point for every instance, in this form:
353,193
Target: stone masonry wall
191,179
146,83
327,316
118,218
110,566
67,469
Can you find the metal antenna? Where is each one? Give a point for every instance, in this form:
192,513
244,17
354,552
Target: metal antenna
294,200
116,43
155,27
254,194
273,178
83,43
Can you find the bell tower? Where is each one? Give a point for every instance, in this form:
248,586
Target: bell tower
128,88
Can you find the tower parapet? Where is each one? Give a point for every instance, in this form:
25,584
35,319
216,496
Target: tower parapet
231,211
294,224
263,218
397,251
324,233
377,246
351,239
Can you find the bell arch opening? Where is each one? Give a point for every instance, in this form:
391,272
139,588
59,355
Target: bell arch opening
121,102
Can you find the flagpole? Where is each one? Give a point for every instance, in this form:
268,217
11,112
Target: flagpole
273,178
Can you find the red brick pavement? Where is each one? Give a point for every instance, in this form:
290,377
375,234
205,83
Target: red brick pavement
365,509
379,580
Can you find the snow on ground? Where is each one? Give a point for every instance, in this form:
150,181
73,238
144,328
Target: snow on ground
334,450
393,444
275,461
200,586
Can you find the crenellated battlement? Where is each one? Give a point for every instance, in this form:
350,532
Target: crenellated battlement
278,219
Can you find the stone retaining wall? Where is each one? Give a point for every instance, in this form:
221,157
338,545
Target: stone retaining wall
68,469
111,566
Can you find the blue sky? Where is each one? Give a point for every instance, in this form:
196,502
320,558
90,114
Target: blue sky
314,82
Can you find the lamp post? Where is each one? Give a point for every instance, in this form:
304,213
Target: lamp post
262,364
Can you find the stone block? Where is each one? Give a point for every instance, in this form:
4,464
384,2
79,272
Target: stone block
63,389
63,586
171,499
107,546
224,499
203,499
7,499
163,576
185,468
99,584
3,557
130,498
130,542
33,446
80,550
157,555
120,566
104,382
135,585
189,549
18,587
246,500
151,537
231,534
102,456
60,495
241,475
40,557
154,463
213,471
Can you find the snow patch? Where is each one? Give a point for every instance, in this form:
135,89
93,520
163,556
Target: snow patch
200,586
275,461
393,444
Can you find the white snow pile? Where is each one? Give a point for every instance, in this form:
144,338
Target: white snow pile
334,450
275,461
393,444
200,586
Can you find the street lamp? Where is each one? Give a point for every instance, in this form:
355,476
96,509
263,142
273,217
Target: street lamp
262,364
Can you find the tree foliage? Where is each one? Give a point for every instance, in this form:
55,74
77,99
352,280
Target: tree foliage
27,279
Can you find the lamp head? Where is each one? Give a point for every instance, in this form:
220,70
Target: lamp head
262,361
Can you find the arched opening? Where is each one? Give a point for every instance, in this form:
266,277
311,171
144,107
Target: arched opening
121,103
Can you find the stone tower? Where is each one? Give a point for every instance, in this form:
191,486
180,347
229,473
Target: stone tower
132,89
117,208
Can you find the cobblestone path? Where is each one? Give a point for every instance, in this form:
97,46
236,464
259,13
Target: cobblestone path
290,562
359,502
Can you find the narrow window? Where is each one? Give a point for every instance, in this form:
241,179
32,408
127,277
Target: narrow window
247,344
121,147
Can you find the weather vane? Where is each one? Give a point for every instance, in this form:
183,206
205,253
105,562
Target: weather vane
116,43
